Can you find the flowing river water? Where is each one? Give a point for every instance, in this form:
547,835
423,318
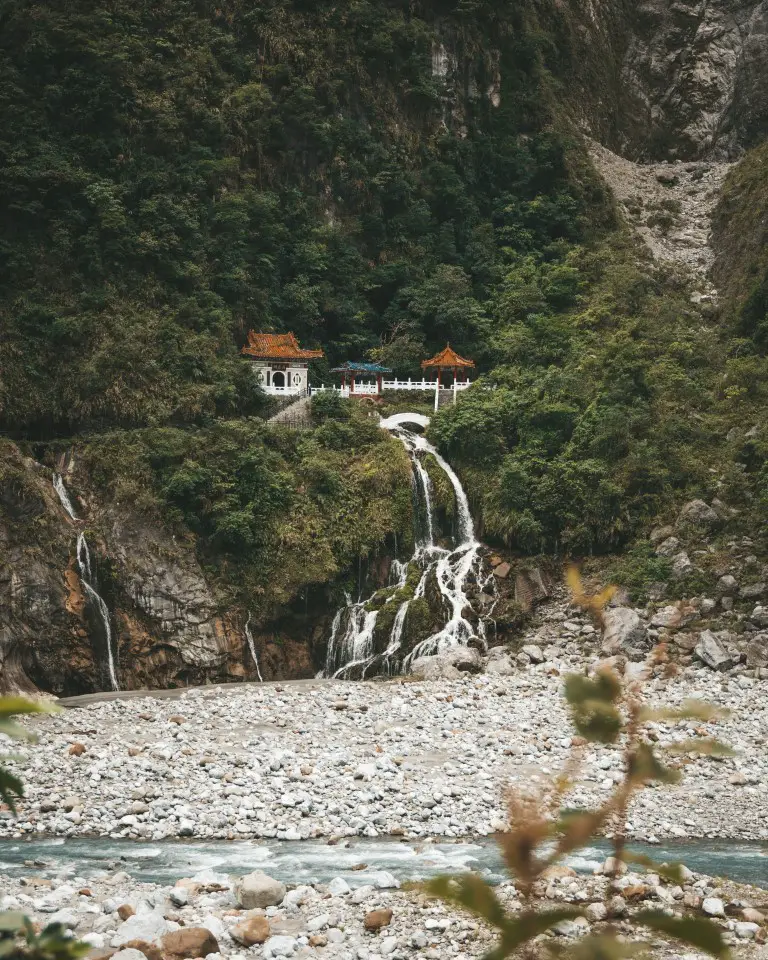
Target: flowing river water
308,861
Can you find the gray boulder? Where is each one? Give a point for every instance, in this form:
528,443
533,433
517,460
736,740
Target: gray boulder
727,586
465,659
280,946
711,651
499,662
757,651
534,653
658,534
753,591
449,664
759,616
668,547
150,926
681,565
622,630
500,667
697,513
434,668
257,890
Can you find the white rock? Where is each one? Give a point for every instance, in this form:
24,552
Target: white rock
280,947
149,926
713,907
747,931
383,880
257,889
622,628
338,887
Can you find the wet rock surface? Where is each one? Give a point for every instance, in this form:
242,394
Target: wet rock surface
330,920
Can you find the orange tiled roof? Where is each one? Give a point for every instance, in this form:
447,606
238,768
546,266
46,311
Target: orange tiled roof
447,358
277,346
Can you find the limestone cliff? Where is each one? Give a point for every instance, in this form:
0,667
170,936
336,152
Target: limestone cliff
169,627
672,80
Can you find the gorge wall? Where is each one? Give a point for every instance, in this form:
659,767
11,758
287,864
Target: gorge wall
672,80
378,180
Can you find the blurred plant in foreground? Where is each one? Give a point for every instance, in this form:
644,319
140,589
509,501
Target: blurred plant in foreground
18,938
542,832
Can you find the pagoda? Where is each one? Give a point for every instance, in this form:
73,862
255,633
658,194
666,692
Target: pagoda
280,366
449,362
356,377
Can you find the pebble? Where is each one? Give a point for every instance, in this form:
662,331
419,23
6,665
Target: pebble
426,759
312,922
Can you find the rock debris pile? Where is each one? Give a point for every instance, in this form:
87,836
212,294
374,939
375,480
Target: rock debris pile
216,916
420,759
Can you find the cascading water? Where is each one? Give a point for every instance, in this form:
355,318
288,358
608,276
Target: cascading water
61,491
351,646
252,646
88,580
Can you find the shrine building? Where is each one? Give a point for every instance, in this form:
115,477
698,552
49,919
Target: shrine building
280,366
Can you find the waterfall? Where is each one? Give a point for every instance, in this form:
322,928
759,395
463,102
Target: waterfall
89,582
352,636
252,646
396,637
61,490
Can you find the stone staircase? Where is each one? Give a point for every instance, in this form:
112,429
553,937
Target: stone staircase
297,414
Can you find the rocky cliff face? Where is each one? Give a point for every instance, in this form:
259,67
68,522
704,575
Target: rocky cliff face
674,80
169,627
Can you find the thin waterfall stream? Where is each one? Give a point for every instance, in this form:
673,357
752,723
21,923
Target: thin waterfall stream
63,495
88,579
252,647
351,645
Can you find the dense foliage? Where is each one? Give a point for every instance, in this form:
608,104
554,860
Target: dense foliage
378,177
611,401
172,174
543,832
271,511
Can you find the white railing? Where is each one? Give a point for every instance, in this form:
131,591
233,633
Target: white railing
291,391
372,389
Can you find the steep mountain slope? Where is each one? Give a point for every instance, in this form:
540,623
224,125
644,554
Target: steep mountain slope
378,178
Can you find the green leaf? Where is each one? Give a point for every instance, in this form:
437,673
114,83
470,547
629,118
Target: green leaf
576,827
13,706
696,931
531,924
597,721
11,921
472,893
670,871
709,748
15,731
690,710
606,947
605,686
644,765
11,789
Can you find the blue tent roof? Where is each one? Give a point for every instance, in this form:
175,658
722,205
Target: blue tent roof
350,367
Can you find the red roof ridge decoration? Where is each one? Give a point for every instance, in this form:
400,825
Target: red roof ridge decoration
277,346
447,358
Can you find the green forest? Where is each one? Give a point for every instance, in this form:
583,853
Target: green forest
378,178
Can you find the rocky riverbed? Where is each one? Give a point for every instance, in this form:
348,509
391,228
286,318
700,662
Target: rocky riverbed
403,758
217,915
